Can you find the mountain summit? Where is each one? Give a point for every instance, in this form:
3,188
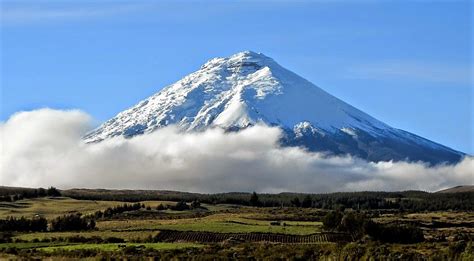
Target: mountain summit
249,88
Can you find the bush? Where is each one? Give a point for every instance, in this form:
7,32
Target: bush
114,240
358,225
131,250
456,248
394,233
11,250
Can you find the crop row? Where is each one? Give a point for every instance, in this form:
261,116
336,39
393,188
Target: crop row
211,237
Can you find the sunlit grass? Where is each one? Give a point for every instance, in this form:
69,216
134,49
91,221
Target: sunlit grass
220,223
53,207
118,246
126,235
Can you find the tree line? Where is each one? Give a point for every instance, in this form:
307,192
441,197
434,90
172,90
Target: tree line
23,224
111,211
72,222
14,194
404,201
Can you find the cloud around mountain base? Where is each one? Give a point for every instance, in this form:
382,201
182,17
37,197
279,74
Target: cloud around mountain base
44,147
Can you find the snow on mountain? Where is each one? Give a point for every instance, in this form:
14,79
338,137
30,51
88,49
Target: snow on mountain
249,88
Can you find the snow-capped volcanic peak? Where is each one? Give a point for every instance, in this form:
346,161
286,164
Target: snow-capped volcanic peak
237,91
242,90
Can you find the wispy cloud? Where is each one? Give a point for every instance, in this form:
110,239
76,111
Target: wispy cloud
27,13
412,71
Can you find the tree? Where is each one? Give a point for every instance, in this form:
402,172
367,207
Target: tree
180,206
353,223
254,201
160,207
41,192
307,202
73,222
6,198
332,220
91,224
195,204
23,224
53,192
296,202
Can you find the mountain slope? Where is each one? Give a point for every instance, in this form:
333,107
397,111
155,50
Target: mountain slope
249,88
458,189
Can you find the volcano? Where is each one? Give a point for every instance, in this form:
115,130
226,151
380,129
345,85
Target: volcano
250,88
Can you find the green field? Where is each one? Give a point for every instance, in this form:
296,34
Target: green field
25,245
220,223
117,246
126,235
134,229
52,207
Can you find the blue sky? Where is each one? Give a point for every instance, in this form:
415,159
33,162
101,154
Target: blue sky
407,63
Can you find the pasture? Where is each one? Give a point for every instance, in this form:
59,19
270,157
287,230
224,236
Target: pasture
209,229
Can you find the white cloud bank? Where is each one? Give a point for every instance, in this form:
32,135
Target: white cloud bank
44,147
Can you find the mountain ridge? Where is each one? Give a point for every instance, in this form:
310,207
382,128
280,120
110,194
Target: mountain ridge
249,88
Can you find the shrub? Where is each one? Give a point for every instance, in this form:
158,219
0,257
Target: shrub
114,240
394,233
358,225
